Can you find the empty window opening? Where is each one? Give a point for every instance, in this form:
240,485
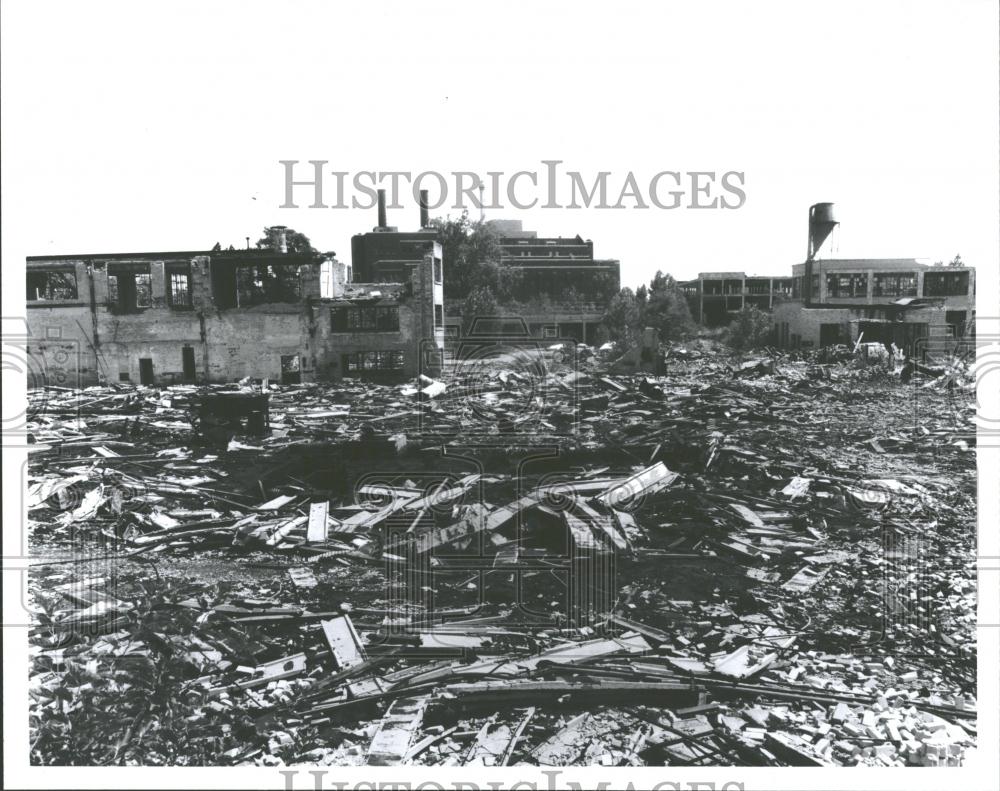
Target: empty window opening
291,372
847,285
51,286
946,284
244,284
129,287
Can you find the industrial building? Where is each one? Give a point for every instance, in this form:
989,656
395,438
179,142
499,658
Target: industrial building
218,316
715,296
383,254
576,286
893,300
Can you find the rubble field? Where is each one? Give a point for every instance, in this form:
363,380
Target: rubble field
528,561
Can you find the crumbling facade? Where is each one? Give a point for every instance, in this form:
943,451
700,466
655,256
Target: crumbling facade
163,318
714,297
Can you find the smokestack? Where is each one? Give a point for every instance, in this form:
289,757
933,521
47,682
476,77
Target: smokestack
425,220
381,210
822,221
282,241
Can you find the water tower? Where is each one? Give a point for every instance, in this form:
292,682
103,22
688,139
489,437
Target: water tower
822,221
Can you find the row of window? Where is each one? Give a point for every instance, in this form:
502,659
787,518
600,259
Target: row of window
946,284
847,285
129,288
388,360
896,284
364,318
130,285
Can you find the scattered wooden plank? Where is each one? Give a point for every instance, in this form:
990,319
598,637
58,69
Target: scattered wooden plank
319,512
647,482
391,743
344,642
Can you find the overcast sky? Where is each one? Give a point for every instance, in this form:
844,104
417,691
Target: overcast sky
130,127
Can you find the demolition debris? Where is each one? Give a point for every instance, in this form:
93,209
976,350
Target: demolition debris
765,562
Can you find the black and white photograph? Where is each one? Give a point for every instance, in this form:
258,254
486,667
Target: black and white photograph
501,395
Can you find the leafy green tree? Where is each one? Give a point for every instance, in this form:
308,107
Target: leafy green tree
749,329
480,303
665,307
471,253
622,318
504,282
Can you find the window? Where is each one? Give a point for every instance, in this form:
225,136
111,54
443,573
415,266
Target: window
387,318
847,285
946,284
129,287
359,362
240,284
903,284
179,285
439,315
143,290
832,334
784,287
437,269
955,319
365,318
179,289
550,332
291,369
51,286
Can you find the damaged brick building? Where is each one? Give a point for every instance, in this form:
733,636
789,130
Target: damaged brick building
217,316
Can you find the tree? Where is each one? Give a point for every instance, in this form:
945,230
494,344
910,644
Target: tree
749,329
666,309
295,242
503,281
471,252
642,297
480,303
621,320
956,261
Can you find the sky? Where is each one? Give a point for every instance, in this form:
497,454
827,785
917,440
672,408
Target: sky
141,127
